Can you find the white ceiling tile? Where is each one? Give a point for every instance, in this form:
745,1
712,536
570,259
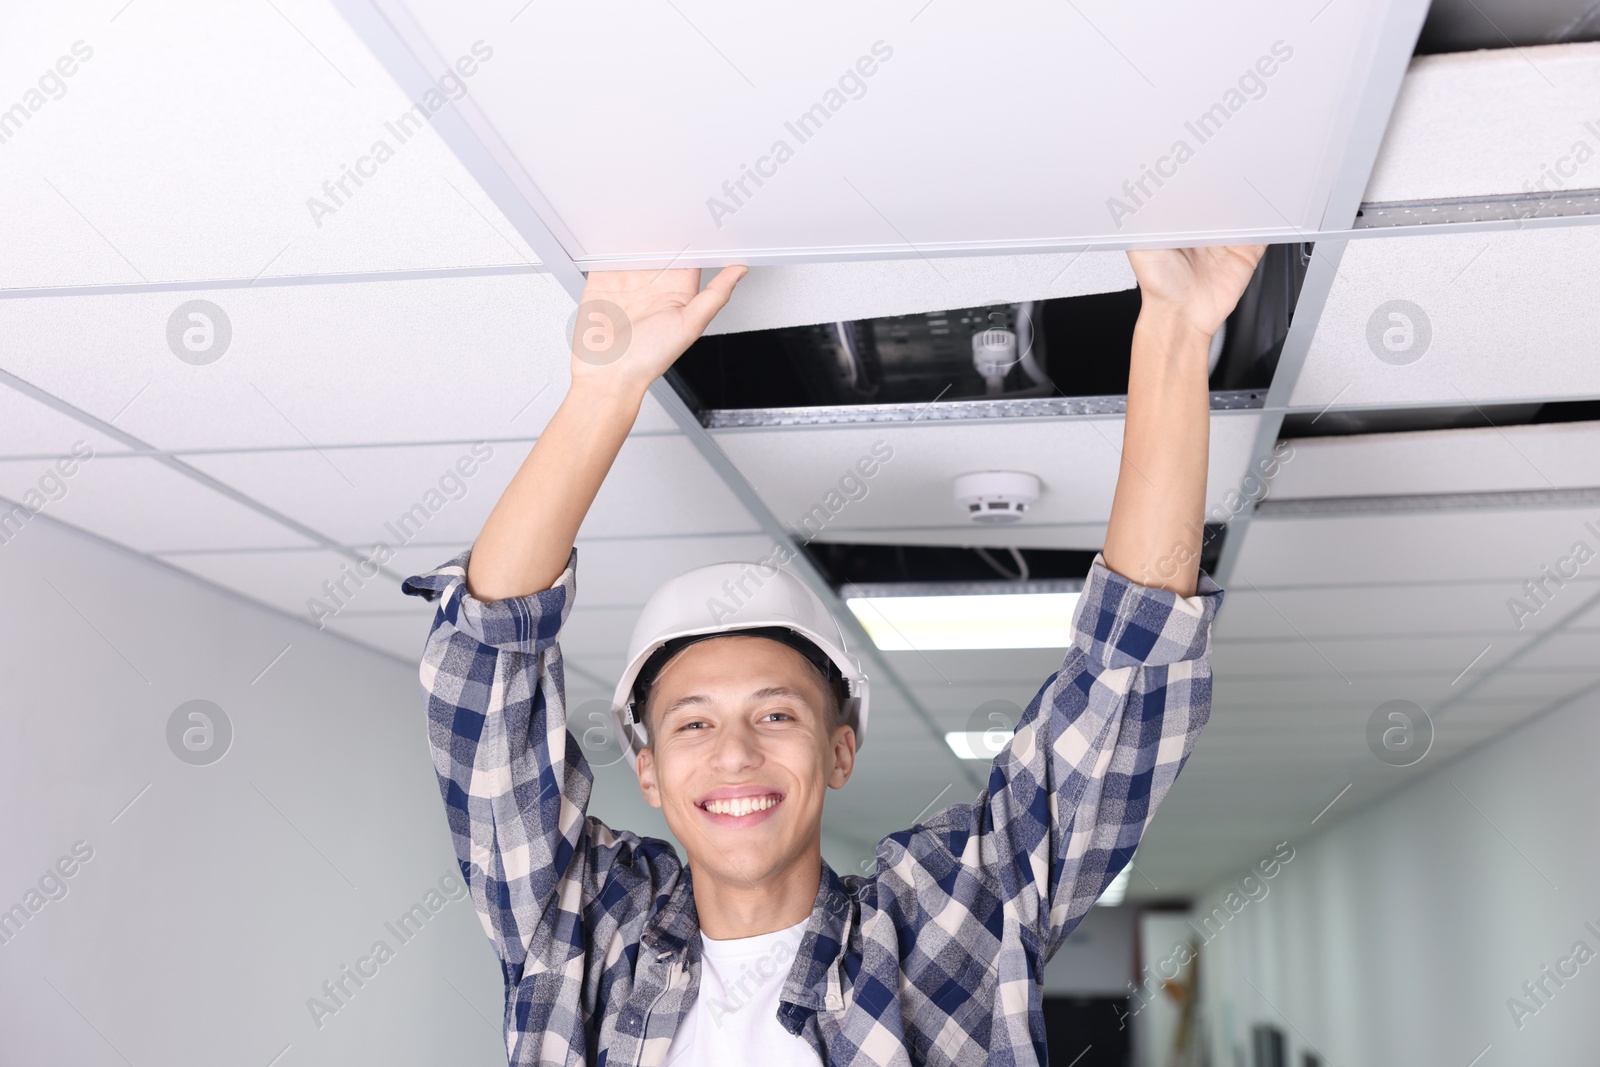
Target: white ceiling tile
441,360
29,428
663,485
1399,610
1493,121
192,137
1483,459
879,172
1533,687
1352,656
1305,696
1566,651
291,579
803,294
910,492
359,496
402,635
1469,546
145,505
1505,315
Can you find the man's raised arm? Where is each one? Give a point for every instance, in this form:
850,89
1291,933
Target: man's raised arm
631,326
1102,742
514,781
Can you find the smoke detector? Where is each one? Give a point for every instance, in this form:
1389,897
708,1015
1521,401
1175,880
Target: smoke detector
995,497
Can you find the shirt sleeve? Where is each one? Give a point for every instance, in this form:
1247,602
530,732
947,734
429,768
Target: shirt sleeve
1094,753
515,783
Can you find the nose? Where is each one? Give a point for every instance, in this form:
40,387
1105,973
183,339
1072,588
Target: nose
737,749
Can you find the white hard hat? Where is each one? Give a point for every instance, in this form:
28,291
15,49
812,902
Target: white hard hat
728,598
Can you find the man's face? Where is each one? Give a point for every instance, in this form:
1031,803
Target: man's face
741,755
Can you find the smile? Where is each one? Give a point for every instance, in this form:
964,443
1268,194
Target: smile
742,807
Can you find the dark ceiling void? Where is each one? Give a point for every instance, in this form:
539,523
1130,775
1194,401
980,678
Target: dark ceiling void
1072,347
1466,25
860,564
1446,417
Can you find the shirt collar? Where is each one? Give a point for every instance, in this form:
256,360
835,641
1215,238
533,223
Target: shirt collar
816,981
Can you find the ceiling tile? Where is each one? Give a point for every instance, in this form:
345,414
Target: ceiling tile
417,361
1470,546
30,428
803,294
874,169
1499,316
1370,610
291,579
910,492
1471,655
140,503
1492,121
143,170
1558,455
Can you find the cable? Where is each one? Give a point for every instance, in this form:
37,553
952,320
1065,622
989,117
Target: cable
1022,564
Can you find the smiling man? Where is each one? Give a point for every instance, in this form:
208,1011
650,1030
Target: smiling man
616,952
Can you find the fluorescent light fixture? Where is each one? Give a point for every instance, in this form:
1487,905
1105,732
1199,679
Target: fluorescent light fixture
923,616
1118,888
977,744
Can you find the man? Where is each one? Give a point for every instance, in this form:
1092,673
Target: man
613,951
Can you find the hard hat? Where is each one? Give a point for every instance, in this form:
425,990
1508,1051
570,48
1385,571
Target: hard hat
727,598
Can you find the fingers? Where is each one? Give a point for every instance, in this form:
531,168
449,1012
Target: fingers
699,311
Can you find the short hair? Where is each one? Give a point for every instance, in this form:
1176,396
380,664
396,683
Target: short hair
832,692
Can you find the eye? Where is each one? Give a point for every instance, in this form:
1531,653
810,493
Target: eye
779,716
693,723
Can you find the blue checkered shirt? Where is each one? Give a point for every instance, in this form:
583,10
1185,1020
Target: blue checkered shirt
934,958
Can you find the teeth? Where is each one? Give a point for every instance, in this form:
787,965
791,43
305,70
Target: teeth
741,805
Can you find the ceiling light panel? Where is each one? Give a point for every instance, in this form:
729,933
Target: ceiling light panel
1458,318
851,113
144,505
1493,122
192,141
921,623
441,360
908,497
1483,459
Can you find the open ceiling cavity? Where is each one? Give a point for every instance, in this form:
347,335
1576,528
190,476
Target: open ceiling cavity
1068,347
845,564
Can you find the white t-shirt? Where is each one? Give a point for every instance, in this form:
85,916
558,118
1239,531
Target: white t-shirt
734,1020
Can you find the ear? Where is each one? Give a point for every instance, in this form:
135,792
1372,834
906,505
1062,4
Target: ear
647,778
844,756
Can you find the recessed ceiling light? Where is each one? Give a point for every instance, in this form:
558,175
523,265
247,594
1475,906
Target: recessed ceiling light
926,616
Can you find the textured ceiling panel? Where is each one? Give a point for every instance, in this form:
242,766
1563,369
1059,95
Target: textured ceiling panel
357,496
30,428
144,505
288,580
1505,120
1466,546
1353,656
769,297
191,139
1397,609
868,116
445,360
1485,459
910,492
1449,319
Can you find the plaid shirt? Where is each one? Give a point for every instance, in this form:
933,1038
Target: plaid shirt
935,958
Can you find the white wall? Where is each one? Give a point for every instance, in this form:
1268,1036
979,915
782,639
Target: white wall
1398,936
222,899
